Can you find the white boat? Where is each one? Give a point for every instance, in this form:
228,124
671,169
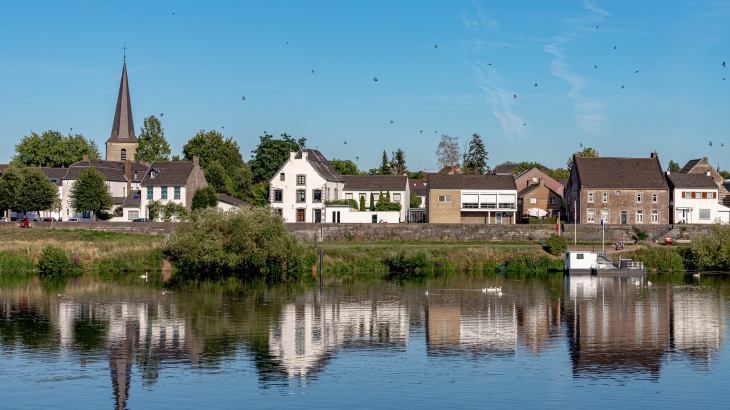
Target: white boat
590,262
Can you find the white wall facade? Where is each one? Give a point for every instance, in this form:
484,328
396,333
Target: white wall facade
116,188
157,196
698,210
402,197
290,206
346,214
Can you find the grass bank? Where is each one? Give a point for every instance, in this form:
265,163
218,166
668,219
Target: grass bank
20,249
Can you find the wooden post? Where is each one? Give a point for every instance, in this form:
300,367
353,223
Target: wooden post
321,264
315,244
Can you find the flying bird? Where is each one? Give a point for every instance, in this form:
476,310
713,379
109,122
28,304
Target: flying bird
489,64
375,78
614,47
72,130
637,71
535,84
581,145
345,142
312,71
162,114
391,121
723,78
710,143
595,66
287,42
435,132
223,127
435,46
421,132
524,124
515,95
622,86
243,98
357,158
723,64
596,27
173,14
722,145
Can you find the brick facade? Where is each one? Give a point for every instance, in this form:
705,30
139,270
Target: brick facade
114,150
444,212
542,195
625,201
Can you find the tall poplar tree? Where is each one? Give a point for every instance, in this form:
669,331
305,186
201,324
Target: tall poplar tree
475,159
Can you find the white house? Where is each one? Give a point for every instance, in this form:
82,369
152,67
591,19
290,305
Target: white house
694,199
361,186
226,202
347,214
419,187
299,189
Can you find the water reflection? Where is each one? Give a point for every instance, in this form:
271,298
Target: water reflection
608,327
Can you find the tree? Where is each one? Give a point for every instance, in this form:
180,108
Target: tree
345,167
260,194
37,192
152,143
10,187
385,166
586,153
448,153
372,202
415,201
271,154
205,198
52,149
211,146
475,159
387,195
525,166
724,174
673,167
216,176
384,204
362,203
398,162
90,192
240,181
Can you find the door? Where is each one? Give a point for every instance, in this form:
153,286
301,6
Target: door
623,217
317,215
498,218
375,218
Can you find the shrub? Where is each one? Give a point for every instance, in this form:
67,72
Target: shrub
556,245
405,261
533,263
104,215
662,259
242,241
639,234
54,261
205,198
351,202
15,263
712,251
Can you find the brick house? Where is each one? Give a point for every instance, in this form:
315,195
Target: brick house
702,166
539,196
618,190
487,199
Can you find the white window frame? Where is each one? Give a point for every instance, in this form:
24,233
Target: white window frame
709,214
639,216
552,201
591,216
132,215
445,199
639,197
396,197
591,197
533,201
654,198
605,197
348,195
654,216
687,194
607,213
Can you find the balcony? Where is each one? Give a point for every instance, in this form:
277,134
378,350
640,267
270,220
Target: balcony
485,206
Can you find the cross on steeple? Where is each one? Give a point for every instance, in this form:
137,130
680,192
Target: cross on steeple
125,48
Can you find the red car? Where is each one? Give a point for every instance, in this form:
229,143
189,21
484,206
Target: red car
25,223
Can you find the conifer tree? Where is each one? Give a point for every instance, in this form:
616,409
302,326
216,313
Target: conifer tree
385,166
362,203
372,202
475,159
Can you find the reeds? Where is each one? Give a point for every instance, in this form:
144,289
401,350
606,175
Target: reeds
15,263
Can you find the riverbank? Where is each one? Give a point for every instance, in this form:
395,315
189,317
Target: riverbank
89,250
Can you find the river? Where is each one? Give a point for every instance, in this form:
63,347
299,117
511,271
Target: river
546,342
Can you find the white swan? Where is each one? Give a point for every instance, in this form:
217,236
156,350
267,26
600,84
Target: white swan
426,293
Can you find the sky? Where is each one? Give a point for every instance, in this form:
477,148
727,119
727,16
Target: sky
61,62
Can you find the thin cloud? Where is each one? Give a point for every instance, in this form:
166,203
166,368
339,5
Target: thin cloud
590,6
483,18
502,101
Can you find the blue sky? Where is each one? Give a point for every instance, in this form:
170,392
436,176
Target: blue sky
60,65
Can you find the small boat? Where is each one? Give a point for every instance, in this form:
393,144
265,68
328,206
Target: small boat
577,262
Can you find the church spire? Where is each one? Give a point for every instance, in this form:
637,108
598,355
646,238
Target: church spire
123,126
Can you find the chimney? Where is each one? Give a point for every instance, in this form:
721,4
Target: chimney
128,174
654,155
292,154
668,173
85,158
196,161
304,154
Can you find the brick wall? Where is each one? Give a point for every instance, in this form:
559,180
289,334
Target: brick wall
542,194
114,150
444,212
625,201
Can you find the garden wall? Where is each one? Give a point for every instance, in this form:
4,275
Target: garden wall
145,228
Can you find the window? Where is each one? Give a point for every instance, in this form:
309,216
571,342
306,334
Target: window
704,214
687,194
654,198
124,154
697,195
132,215
591,215
655,217
552,201
301,195
605,197
579,256
300,215
638,198
153,174
604,215
282,177
149,193
317,195
278,210
445,199
590,197
86,214
534,180
278,195
710,195
396,197
639,217
348,196
54,180
533,200
317,215
163,192
301,179
177,192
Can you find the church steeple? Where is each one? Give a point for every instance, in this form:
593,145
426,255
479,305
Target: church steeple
122,144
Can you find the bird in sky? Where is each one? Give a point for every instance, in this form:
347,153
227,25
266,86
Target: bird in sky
312,71
637,71
173,14
595,66
723,64
581,145
515,95
596,27
391,121
72,130
614,47
622,86
710,143
357,158
421,132
535,84
162,114
287,42
524,124
435,46
722,145
223,127
345,142
723,78
435,132
375,78
243,98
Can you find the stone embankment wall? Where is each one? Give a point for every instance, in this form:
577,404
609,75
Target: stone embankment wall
478,232
145,228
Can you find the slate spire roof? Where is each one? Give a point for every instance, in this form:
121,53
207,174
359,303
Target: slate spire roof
123,126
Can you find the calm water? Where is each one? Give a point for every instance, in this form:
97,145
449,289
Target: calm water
551,342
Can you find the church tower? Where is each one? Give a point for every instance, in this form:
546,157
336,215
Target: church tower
122,145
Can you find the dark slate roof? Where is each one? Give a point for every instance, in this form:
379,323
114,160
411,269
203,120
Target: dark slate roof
123,126
691,181
112,170
321,164
118,200
563,181
55,173
233,201
530,188
508,169
689,165
375,182
168,173
134,199
620,173
472,182
419,186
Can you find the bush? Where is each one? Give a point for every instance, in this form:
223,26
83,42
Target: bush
54,261
639,234
533,263
405,261
205,198
712,251
659,259
350,202
242,241
556,245
104,215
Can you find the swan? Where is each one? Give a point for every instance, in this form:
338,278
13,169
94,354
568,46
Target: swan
648,283
696,275
426,293
484,290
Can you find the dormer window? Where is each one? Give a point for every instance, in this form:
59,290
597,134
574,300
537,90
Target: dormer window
153,174
135,175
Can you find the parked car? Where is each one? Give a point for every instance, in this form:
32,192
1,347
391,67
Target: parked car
142,220
24,223
4,219
73,220
48,219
